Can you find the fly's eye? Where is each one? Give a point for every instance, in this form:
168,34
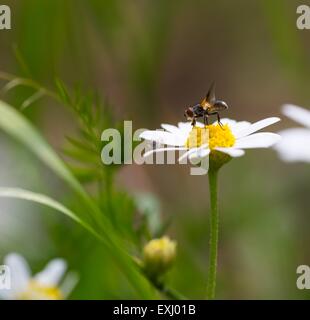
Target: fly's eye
188,113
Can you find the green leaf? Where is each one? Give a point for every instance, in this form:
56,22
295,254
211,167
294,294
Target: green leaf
18,193
19,127
85,175
16,125
63,92
81,145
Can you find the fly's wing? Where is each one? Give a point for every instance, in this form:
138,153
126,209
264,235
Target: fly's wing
210,97
220,105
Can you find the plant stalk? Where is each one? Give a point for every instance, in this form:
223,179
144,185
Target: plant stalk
214,223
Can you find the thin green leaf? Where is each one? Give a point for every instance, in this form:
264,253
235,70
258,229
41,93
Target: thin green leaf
15,124
18,193
32,99
63,92
85,175
81,145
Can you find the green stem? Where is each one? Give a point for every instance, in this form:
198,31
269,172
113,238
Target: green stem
214,222
169,292
172,294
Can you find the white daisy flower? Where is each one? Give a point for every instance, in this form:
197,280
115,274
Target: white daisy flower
294,146
42,286
231,138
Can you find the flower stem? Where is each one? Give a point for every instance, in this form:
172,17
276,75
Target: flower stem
214,222
173,294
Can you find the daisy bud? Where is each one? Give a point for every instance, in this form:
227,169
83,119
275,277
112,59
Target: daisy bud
158,256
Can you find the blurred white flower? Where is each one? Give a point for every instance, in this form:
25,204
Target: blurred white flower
45,285
295,143
198,142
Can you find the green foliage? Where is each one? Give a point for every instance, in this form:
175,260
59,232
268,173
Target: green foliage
20,128
110,214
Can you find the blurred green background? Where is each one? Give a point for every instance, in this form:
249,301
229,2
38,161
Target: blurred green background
149,60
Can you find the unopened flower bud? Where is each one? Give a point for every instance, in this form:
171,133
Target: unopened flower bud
158,256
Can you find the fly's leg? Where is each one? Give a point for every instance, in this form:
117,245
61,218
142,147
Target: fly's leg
206,120
219,120
193,122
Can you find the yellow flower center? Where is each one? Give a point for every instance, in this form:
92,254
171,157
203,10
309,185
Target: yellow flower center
212,135
37,291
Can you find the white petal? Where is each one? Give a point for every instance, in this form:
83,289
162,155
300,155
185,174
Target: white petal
258,140
228,121
170,128
52,273
294,145
6,294
233,152
256,126
297,114
234,125
164,137
20,272
185,126
148,153
199,154
238,126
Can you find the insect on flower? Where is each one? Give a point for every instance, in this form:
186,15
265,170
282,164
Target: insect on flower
201,141
207,107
